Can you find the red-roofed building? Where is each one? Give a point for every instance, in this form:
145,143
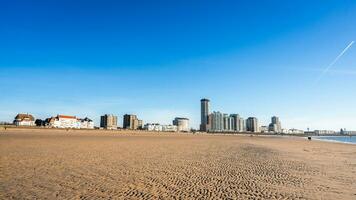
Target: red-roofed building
66,121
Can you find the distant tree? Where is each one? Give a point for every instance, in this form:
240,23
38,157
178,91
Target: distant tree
39,122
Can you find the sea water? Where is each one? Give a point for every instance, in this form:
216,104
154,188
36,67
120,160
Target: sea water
344,139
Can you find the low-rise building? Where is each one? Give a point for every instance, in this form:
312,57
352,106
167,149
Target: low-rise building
152,127
182,124
169,128
264,129
24,120
86,123
324,132
66,121
159,127
292,131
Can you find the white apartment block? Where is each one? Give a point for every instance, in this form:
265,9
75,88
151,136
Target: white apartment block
65,121
158,127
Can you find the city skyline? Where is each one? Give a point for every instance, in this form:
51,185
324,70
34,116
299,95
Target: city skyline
210,122
156,60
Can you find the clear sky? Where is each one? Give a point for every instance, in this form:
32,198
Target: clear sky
157,59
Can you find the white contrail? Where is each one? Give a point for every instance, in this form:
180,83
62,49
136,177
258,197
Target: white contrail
333,62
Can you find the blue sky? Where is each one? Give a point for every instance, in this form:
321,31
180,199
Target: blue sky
157,59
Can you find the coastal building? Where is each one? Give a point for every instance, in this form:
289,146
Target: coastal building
242,126
275,125
169,128
152,127
238,123
132,122
24,120
235,122
227,123
346,132
324,132
204,105
182,124
217,122
66,121
49,122
292,131
252,124
108,121
86,123
264,129
159,127
139,124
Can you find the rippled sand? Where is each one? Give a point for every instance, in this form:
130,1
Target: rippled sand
50,164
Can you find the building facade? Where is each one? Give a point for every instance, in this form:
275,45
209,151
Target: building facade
324,132
182,124
24,120
252,124
275,125
217,121
86,123
132,122
204,106
292,131
242,126
108,121
66,121
159,127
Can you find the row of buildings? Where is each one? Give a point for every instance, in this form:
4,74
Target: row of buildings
222,122
59,121
133,123
107,121
179,124
210,122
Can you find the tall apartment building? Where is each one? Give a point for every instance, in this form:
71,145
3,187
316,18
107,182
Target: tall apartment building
204,105
252,124
237,123
242,126
132,122
108,121
217,121
275,125
229,125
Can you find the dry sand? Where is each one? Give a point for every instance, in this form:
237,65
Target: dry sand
49,164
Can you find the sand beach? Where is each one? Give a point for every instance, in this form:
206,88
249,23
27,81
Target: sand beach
59,164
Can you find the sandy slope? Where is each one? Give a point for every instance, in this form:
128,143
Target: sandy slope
92,164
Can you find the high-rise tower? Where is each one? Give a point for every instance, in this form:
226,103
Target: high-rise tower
252,124
108,121
204,105
275,125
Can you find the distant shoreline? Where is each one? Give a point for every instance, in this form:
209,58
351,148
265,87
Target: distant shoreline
333,140
120,130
